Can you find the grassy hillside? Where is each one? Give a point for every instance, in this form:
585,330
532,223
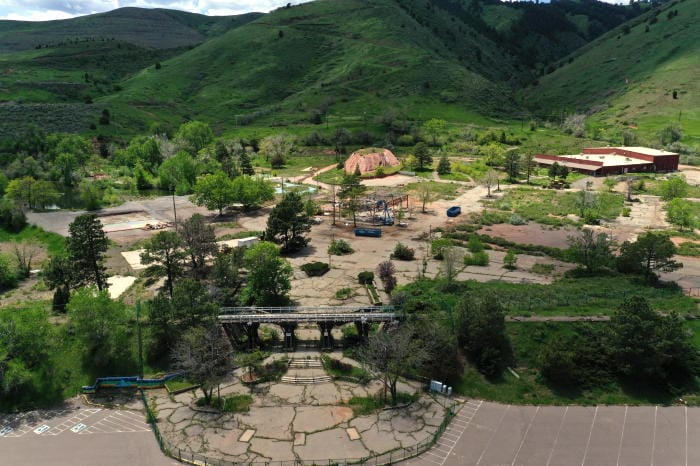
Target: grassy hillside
155,28
346,57
628,76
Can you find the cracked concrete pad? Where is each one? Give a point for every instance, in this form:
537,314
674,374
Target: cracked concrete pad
247,435
181,414
322,394
194,430
271,422
379,440
299,438
330,444
272,449
404,422
315,418
227,442
362,423
353,434
292,394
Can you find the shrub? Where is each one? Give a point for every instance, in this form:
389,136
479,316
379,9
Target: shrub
480,258
403,253
12,218
516,219
475,244
339,247
387,274
437,247
365,278
237,404
344,293
315,269
542,269
626,211
510,260
8,273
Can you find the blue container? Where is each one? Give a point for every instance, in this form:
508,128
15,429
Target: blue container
454,211
372,232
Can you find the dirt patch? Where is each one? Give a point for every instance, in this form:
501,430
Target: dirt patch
532,233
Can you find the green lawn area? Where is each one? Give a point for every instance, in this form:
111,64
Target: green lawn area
53,242
439,190
294,165
575,297
334,176
551,207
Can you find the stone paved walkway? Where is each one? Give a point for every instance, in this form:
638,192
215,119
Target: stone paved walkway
305,422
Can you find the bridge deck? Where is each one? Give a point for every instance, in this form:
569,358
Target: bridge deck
308,317
303,309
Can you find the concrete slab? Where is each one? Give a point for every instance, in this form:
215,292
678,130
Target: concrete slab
539,440
299,438
669,440
315,418
638,436
353,434
570,448
332,444
508,436
246,435
606,435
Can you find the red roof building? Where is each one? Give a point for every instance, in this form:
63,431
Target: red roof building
602,161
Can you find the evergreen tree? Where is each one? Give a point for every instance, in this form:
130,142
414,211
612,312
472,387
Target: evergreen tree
422,154
289,221
245,165
444,166
87,245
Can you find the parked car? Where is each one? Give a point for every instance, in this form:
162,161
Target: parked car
454,211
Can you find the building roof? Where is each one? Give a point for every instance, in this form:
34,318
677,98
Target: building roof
638,149
568,164
602,160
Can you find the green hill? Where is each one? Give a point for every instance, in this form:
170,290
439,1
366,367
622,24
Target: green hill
157,28
627,77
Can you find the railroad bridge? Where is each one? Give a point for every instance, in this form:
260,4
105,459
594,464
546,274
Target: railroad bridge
248,319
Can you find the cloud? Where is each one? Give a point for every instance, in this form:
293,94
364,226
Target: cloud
41,10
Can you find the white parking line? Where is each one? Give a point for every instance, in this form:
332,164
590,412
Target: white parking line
622,436
556,439
41,429
653,439
590,434
493,435
525,436
5,430
78,427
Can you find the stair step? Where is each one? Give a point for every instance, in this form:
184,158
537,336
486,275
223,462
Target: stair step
306,380
305,363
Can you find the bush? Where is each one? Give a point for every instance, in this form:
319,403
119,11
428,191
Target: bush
339,247
516,219
437,247
365,278
403,253
12,218
479,258
475,244
626,211
510,260
8,273
315,269
344,293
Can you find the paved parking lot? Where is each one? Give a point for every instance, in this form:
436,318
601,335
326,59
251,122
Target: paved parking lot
493,434
79,436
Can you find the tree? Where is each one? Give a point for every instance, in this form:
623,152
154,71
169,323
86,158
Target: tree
199,239
350,191
425,194
90,195
553,170
245,165
8,273
422,155
512,166
66,165
268,276
20,190
490,178
24,253
444,166
679,212
288,222
194,136
341,137
651,252
410,162
610,183
451,258
276,147
206,355
178,173
592,251
670,134
227,274
482,334
141,149
58,275
215,192
649,346
252,191
12,217
493,154
674,187
87,245
391,354
387,274
164,251
434,128
44,194
102,325
529,165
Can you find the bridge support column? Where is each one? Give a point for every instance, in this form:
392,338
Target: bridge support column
362,329
288,330
252,333
326,336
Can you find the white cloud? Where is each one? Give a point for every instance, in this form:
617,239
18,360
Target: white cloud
37,15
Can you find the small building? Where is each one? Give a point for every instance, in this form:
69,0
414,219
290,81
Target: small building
370,159
602,161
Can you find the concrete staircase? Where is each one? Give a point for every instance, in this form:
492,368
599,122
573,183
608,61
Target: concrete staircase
306,379
305,371
304,363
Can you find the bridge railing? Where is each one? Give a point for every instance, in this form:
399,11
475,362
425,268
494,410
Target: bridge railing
303,309
307,317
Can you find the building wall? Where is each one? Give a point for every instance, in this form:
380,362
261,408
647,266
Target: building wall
660,163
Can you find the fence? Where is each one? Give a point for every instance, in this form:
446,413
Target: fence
382,459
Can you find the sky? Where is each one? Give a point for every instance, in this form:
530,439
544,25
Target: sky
42,10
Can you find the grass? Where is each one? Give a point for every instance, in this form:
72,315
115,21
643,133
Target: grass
294,164
575,297
689,249
177,385
445,191
551,207
54,243
341,370
363,405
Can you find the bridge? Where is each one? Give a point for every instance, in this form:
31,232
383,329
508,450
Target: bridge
289,317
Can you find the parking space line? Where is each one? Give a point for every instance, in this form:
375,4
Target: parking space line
686,436
590,434
653,438
525,436
622,436
556,438
500,421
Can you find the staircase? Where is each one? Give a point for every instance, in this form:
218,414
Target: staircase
305,371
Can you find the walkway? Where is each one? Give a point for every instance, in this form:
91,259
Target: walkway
490,434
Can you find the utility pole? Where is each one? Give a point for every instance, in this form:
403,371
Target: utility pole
138,330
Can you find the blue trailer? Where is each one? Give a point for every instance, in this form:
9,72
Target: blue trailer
371,232
454,211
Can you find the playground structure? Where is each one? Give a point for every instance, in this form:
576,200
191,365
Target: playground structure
134,382
379,209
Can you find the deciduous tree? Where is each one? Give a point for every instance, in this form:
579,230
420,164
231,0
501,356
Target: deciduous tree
165,255
268,279
650,253
216,191
591,250
200,241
